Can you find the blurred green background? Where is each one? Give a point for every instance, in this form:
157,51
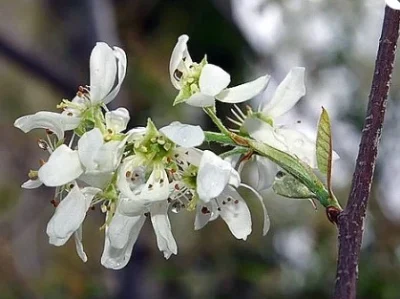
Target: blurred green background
44,53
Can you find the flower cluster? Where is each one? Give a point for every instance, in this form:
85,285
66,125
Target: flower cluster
146,172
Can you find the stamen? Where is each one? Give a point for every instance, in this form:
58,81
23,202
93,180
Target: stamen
234,121
128,174
239,111
237,116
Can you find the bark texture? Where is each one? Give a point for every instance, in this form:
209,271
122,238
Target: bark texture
351,221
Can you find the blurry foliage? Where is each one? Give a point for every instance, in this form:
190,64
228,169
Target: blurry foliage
296,259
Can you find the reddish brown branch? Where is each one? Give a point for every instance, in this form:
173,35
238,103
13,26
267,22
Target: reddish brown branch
351,220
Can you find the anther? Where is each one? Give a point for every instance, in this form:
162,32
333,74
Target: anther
147,214
150,186
54,203
229,199
236,201
42,144
49,132
128,174
42,162
205,210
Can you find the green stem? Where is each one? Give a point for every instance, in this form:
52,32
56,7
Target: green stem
289,163
235,151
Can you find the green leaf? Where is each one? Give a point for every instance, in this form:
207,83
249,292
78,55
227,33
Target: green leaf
288,186
324,147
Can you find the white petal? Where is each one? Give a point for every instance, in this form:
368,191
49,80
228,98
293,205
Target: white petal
135,134
189,155
157,186
31,184
79,246
235,213
263,132
117,120
267,223
55,122
184,135
287,94
162,228
62,167
203,214
88,145
213,80
109,155
122,61
120,229
96,179
244,91
103,70
122,181
114,258
68,217
299,145
393,4
132,207
200,100
234,179
213,176
260,172
179,53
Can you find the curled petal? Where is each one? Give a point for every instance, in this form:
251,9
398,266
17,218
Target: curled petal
235,213
213,80
114,258
157,186
184,135
179,54
68,217
267,223
120,228
122,62
213,176
88,146
203,214
103,70
162,228
244,91
55,122
117,120
260,172
79,246
200,100
287,94
109,155
62,167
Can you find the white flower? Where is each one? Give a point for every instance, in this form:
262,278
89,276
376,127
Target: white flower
69,216
94,160
200,84
126,224
107,65
216,184
157,150
263,127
